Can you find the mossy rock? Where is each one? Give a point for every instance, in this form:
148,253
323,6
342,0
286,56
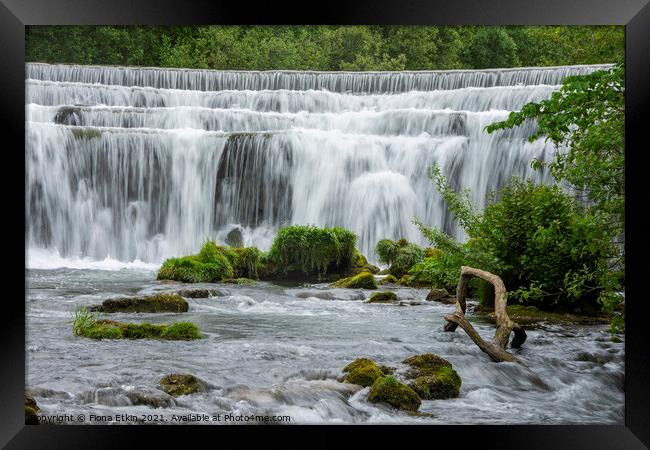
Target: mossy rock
444,383
425,364
150,397
387,370
440,295
177,384
383,297
362,371
364,280
166,302
433,377
388,279
31,411
108,329
395,393
199,293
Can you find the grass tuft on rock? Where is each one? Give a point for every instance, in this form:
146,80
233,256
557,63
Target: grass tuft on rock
88,325
210,265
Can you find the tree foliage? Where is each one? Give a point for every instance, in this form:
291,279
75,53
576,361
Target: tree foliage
325,47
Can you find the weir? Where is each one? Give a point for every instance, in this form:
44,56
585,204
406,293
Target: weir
147,163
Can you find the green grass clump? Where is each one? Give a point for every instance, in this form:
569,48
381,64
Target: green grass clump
210,265
389,390
364,280
313,250
88,325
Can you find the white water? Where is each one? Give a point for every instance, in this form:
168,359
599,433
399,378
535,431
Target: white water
128,164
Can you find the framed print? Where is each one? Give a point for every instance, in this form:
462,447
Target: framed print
396,216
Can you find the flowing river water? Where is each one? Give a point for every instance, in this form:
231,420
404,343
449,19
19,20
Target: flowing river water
128,166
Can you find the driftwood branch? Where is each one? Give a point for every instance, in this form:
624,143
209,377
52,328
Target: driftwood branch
505,326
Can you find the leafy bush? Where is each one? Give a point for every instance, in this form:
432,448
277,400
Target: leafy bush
313,250
548,248
401,255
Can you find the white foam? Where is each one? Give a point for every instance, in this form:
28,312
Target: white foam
51,259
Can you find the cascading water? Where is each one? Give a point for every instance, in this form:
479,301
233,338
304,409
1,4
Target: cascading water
127,166
146,163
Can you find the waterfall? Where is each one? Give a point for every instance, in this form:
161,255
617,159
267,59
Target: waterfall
146,163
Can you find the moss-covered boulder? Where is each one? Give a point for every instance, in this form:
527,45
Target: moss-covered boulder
383,297
364,280
388,279
432,377
31,411
362,371
199,293
395,393
177,384
165,302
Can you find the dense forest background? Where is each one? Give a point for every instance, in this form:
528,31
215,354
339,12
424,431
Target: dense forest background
326,47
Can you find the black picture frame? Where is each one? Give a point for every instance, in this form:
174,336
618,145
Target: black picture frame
634,14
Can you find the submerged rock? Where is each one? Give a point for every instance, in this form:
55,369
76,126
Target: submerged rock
199,293
364,280
155,398
433,377
31,410
362,371
383,297
440,295
165,302
177,384
234,238
395,393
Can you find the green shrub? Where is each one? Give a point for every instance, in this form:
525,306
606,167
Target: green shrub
401,255
549,249
313,250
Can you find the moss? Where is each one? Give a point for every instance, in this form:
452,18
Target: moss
85,133
362,371
108,329
405,280
433,377
211,264
313,250
383,297
240,281
178,384
388,390
165,302
387,370
388,279
198,293
364,280
444,383
31,411
425,364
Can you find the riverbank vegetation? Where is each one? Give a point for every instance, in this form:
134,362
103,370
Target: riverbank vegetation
556,248
326,47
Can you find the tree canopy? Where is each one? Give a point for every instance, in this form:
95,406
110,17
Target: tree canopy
325,47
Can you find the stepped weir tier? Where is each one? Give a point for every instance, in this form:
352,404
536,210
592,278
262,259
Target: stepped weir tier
140,164
129,166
